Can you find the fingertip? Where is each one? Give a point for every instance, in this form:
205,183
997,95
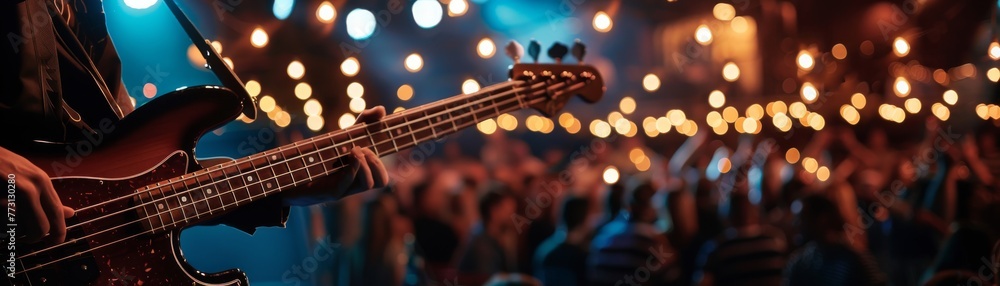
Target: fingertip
68,212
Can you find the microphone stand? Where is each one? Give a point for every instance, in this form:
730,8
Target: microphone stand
214,62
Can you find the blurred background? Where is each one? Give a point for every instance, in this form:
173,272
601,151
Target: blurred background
725,124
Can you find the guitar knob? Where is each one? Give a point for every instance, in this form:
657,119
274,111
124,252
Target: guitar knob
579,50
558,51
534,48
515,51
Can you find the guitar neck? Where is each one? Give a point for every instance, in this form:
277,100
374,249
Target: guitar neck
198,196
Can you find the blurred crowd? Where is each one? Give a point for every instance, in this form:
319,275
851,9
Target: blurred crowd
707,213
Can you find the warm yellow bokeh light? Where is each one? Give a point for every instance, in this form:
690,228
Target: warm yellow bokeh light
355,90
724,11
731,72
470,86
839,51
627,105
266,103
721,129
350,66
950,97
507,122
326,13
816,121
993,74
858,100
755,111
457,8
805,60
258,38
797,109
651,82
912,105
716,99
614,116
486,48
703,35
253,87
738,125
566,119
900,47
792,155
315,123
809,93
404,92
488,126
730,114
345,120
725,165
750,125
303,91
850,114
296,70
940,111
983,111
610,175
357,105
739,25
901,87
413,62
810,164
663,125
312,107
282,119
823,173
676,117
602,129
602,22
714,119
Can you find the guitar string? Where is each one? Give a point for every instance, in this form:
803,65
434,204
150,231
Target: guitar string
233,191
539,100
352,128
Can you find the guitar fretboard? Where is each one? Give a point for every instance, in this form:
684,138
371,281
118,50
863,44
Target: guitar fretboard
197,196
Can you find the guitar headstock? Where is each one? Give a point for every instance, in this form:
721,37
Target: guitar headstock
559,81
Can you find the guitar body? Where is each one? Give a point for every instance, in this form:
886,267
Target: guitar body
154,143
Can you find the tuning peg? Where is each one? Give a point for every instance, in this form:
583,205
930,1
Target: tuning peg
579,50
515,51
534,48
558,51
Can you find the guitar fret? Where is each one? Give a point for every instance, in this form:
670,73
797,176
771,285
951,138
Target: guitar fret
385,126
194,201
338,156
431,125
410,130
249,180
179,205
231,190
210,191
159,214
372,139
305,165
322,161
237,183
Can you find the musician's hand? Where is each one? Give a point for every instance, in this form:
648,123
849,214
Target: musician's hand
364,172
39,210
